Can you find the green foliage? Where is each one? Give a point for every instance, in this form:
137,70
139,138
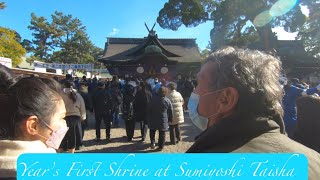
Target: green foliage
75,50
27,45
74,43
230,19
45,37
10,47
205,53
66,25
64,40
177,12
2,5
310,33
96,52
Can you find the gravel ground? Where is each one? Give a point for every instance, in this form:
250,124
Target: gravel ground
119,143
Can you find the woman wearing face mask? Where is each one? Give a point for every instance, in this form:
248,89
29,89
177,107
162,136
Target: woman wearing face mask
31,120
75,112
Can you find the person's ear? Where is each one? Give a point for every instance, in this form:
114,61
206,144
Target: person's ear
228,100
31,125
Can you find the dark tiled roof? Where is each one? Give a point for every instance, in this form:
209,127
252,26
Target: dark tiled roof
123,49
142,40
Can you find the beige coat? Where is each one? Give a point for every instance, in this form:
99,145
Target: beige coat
77,108
177,104
10,151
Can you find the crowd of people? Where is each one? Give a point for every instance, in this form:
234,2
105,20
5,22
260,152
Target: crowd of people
238,102
155,105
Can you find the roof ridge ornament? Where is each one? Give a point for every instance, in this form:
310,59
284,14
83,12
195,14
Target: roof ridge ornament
151,32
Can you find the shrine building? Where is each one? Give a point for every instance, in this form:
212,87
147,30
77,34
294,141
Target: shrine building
151,56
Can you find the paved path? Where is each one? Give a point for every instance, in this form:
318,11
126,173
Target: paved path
120,145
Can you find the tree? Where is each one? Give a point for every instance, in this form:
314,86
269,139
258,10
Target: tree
2,5
78,49
205,53
75,50
45,37
10,47
74,43
64,40
66,25
96,52
230,19
310,33
27,44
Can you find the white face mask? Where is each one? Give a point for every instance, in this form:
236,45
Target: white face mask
198,120
57,136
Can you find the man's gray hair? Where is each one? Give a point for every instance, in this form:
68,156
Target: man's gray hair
254,74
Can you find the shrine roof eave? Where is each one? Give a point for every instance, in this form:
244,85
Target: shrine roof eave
152,40
139,59
130,62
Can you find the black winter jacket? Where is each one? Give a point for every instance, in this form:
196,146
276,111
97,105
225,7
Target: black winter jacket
102,102
160,113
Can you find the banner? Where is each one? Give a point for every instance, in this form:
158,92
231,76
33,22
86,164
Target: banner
100,70
163,166
87,67
6,62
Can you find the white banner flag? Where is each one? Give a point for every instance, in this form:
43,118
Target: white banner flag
87,67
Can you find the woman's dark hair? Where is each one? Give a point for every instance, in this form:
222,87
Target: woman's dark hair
6,78
53,84
72,95
27,97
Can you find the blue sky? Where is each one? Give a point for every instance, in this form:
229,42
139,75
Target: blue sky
103,18
106,18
